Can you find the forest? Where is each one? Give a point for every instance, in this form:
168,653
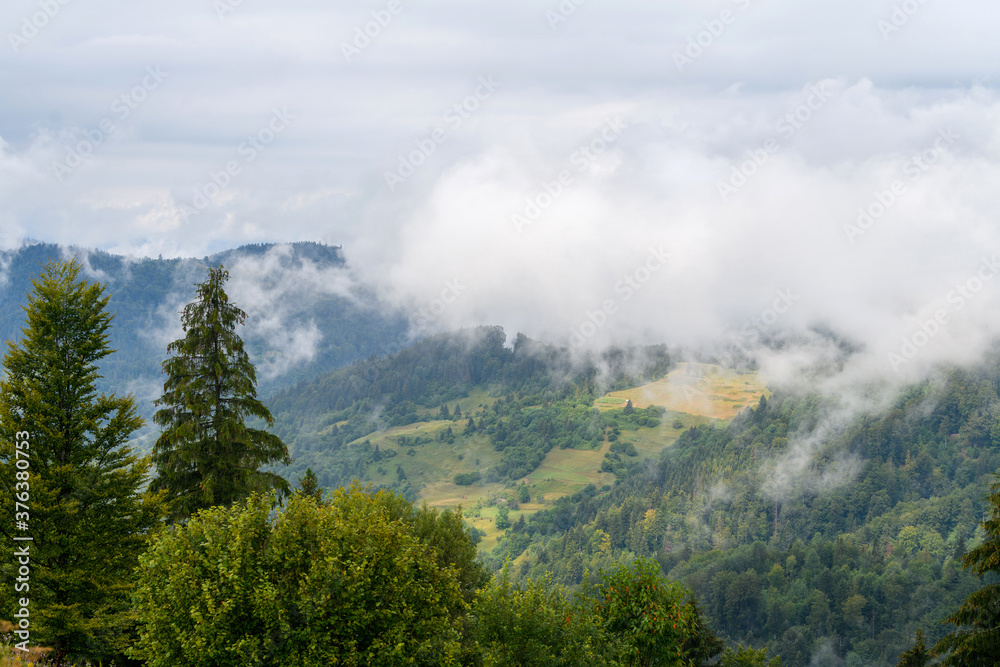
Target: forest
848,569
297,530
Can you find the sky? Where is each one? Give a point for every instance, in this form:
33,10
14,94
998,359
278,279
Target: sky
798,178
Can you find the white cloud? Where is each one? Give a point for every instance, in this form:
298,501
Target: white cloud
443,241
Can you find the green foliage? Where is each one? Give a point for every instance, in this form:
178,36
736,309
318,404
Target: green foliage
650,615
206,454
309,486
82,489
467,478
503,518
362,580
354,326
858,565
523,494
977,637
748,657
536,625
918,656
534,413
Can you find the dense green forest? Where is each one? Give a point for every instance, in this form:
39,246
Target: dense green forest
846,561
851,571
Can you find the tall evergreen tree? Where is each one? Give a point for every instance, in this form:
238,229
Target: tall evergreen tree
976,641
206,454
918,656
309,485
63,452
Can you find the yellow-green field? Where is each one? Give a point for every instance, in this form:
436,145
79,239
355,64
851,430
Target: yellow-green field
696,389
693,394
433,461
564,471
477,398
649,441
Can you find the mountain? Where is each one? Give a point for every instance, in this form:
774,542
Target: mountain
829,545
829,528
307,314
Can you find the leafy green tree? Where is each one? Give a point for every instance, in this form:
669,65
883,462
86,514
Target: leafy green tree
652,617
523,495
976,640
444,531
535,625
503,518
63,453
337,583
918,656
206,454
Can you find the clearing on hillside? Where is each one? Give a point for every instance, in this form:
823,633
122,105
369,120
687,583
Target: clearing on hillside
705,390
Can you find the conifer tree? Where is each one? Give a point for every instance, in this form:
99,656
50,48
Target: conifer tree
206,454
918,656
976,640
309,485
63,452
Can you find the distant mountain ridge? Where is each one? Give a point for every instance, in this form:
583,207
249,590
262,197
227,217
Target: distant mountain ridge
307,314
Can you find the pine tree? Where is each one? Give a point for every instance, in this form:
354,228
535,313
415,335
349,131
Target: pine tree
976,640
206,454
63,451
918,656
309,485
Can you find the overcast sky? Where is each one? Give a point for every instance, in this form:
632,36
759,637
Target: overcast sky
584,172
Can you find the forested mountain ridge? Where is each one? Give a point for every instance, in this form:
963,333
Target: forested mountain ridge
837,552
306,315
837,573
320,418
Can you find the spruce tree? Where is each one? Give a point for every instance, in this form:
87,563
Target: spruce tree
918,656
206,454
976,640
63,452
309,485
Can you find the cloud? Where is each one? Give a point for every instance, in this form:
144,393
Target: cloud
278,289
812,189
591,254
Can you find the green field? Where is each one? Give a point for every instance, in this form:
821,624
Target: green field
693,394
696,389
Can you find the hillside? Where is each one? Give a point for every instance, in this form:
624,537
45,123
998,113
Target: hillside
461,419
827,548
